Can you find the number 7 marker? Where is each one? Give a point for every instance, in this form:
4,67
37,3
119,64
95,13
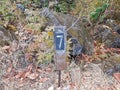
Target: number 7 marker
61,38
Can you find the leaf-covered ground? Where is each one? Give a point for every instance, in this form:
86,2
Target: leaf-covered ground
26,62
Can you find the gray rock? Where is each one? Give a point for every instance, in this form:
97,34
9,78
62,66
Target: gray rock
116,43
21,7
117,29
113,70
75,26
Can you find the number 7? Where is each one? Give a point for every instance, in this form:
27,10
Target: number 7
61,38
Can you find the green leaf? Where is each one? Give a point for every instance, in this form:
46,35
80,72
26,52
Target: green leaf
94,15
105,6
98,10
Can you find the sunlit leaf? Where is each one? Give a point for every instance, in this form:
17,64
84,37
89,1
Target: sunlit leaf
11,27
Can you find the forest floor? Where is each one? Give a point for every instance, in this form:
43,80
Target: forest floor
73,78
18,69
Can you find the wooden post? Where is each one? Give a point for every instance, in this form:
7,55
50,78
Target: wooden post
60,50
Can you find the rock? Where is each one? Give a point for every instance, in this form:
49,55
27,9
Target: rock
116,43
109,33
21,7
76,49
104,34
113,70
74,26
6,36
117,29
110,71
62,19
111,65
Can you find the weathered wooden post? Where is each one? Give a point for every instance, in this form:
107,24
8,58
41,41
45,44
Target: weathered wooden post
60,49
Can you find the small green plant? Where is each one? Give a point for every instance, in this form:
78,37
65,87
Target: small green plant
98,12
64,6
9,13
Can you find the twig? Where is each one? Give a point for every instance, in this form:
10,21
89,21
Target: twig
75,21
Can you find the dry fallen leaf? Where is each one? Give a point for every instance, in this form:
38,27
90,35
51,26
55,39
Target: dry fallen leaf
6,47
19,75
30,67
117,76
39,70
48,70
42,80
32,76
11,27
27,73
9,69
29,31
